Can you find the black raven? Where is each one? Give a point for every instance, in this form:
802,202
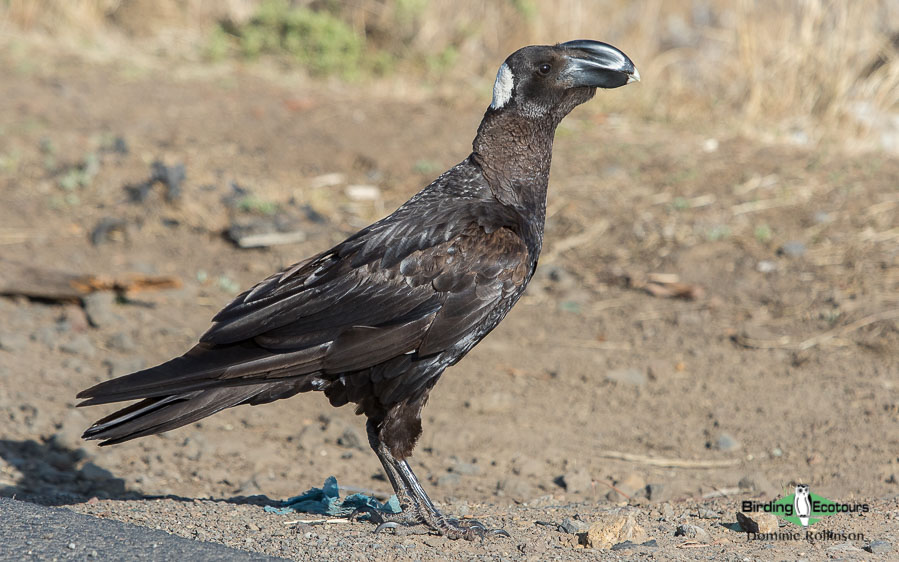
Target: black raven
376,319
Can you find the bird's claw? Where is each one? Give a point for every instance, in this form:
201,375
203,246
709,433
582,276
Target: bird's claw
386,525
471,530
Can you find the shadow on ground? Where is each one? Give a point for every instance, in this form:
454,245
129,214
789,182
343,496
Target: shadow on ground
54,475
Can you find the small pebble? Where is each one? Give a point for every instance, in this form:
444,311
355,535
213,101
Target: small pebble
577,481
822,217
846,547
793,249
705,513
574,526
766,266
667,511
692,532
629,545
71,546
613,528
726,442
99,308
363,192
879,547
516,488
757,522
327,180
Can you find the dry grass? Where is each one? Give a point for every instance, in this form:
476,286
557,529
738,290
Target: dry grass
805,68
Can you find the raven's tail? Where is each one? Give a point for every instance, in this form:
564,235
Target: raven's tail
204,381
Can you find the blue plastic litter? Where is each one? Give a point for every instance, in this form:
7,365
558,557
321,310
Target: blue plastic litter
326,501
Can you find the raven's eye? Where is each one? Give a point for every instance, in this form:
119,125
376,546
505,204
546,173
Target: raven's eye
544,69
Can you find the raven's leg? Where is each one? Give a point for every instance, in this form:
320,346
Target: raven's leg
417,506
409,514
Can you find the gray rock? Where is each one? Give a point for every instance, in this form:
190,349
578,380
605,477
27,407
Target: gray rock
577,481
692,532
629,545
705,513
757,522
879,547
666,510
822,217
527,466
726,442
793,249
766,266
632,486
79,345
99,308
844,547
12,341
631,376
574,526
121,341
516,488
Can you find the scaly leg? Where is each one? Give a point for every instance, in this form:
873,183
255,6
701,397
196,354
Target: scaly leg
418,509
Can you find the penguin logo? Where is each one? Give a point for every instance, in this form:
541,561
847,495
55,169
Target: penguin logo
802,507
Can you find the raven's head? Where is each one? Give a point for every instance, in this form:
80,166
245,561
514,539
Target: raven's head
551,80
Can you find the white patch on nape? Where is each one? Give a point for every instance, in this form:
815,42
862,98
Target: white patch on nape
502,88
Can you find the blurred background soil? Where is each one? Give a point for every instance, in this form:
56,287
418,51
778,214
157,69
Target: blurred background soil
715,316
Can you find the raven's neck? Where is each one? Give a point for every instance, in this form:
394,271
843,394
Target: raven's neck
515,154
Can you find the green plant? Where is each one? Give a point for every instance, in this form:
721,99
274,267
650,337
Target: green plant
763,233
318,40
257,205
81,174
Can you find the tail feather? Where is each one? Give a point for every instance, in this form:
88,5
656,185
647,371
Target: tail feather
207,366
157,415
205,380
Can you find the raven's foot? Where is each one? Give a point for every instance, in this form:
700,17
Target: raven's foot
453,529
417,508
469,530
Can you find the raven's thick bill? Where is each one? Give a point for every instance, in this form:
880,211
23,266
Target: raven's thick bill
376,319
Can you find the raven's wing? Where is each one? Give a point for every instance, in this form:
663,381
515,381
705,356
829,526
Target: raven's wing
343,311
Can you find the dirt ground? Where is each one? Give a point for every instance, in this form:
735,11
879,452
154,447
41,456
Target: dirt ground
777,364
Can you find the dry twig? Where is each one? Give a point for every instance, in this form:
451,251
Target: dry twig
668,463
785,343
